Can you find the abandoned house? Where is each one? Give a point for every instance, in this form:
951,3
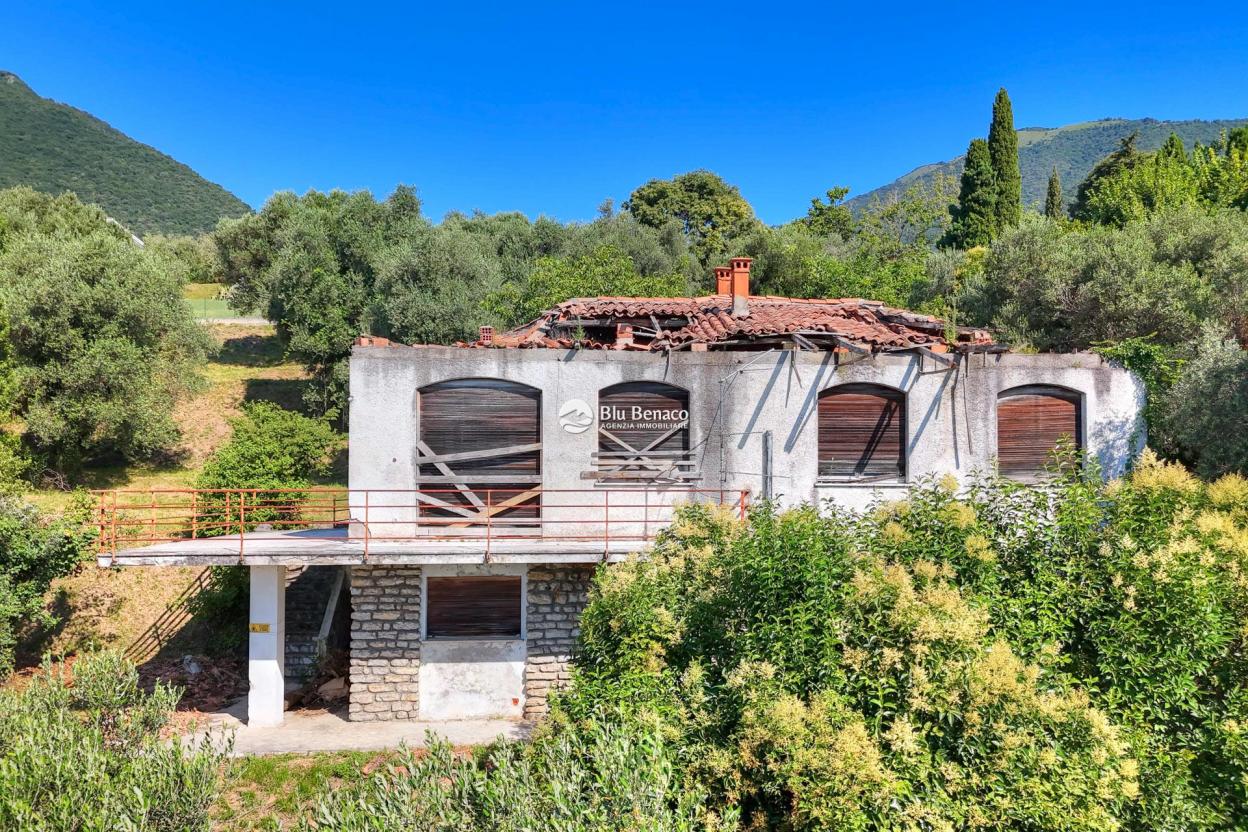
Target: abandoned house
489,479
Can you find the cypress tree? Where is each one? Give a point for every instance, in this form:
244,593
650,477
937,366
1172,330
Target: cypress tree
974,217
1003,146
1053,208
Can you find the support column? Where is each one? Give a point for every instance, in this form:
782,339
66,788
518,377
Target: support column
266,646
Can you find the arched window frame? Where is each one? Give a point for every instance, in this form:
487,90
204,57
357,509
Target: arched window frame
472,483
1059,392
896,426
656,459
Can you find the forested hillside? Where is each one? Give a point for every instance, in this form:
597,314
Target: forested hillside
1072,150
53,147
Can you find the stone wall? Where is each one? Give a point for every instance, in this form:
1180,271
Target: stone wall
385,643
307,594
557,595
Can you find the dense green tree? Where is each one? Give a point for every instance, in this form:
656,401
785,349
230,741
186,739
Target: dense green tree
831,218
711,212
1054,207
1206,411
604,271
1123,158
1058,289
194,258
101,343
975,214
1003,147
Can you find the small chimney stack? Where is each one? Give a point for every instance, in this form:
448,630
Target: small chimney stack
623,335
723,280
740,283
486,335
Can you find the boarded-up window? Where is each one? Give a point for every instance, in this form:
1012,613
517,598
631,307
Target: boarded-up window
862,433
1031,421
487,606
480,450
643,431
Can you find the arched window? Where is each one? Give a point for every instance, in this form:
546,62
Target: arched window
862,433
643,432
479,453
1031,421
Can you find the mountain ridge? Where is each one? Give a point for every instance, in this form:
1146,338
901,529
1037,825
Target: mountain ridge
55,147
1073,149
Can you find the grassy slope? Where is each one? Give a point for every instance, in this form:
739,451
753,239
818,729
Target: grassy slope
1072,149
110,608
53,147
273,792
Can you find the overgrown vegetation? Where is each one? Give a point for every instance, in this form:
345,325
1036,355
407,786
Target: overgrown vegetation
99,345
1069,657
34,551
87,752
605,775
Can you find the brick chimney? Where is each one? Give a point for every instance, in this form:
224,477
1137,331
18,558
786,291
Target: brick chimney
723,280
740,282
486,335
623,335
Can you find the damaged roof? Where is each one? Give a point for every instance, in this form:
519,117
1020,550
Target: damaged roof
658,324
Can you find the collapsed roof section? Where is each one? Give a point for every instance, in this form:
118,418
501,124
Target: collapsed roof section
733,319
657,324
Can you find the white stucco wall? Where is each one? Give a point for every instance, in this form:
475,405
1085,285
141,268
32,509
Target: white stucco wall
735,398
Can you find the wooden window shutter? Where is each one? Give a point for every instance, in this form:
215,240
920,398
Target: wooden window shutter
660,445
862,432
648,395
473,417
1030,422
487,606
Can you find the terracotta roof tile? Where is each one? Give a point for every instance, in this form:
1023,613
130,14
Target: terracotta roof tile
708,319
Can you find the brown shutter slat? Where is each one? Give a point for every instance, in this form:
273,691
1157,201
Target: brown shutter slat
862,432
648,395
475,415
1030,422
474,607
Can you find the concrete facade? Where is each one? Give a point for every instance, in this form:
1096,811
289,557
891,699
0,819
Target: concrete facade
739,402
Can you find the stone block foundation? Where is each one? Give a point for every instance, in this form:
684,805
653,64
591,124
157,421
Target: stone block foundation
557,595
385,643
386,637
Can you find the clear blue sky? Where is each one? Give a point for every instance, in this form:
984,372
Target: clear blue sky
549,109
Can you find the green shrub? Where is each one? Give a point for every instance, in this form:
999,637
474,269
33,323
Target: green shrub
87,754
603,776
1070,656
1206,410
271,447
34,551
277,451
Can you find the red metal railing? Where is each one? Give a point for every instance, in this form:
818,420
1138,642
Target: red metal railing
492,516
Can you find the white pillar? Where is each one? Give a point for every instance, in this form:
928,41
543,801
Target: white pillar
266,646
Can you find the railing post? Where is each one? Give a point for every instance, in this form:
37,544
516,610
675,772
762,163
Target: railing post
366,518
151,502
743,504
645,519
242,524
194,514
113,529
606,524
489,522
